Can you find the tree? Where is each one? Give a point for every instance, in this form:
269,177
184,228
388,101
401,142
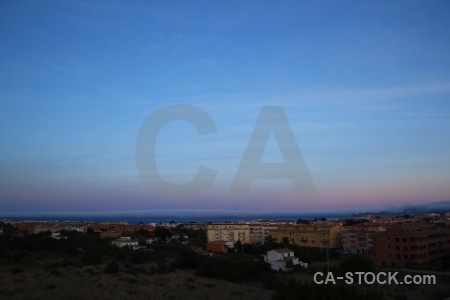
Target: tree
269,240
8,229
162,233
143,232
238,246
301,221
289,264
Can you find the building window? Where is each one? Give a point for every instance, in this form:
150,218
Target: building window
406,256
398,256
397,248
397,239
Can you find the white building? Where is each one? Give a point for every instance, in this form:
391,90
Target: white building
279,257
150,241
124,241
74,228
56,235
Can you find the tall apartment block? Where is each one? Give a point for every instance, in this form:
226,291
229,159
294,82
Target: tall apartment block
317,236
359,238
411,244
245,232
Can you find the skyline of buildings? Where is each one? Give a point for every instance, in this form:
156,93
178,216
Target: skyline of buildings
401,241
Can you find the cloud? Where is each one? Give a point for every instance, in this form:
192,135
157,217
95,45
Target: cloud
374,98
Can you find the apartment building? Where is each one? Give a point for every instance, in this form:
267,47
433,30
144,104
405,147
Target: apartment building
195,226
411,244
122,227
315,236
245,232
359,238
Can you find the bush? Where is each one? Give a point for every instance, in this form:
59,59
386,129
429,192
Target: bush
138,258
187,259
93,255
234,268
293,290
355,263
112,267
271,281
16,271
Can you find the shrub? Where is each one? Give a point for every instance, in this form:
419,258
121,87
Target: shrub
232,268
93,255
112,267
138,258
187,259
293,290
16,271
355,263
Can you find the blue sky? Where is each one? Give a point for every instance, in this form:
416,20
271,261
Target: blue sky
365,86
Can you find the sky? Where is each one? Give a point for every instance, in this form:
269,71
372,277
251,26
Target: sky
364,85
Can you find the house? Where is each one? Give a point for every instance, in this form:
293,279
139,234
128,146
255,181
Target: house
110,234
278,259
150,240
124,241
81,229
57,236
138,247
229,245
200,251
179,237
217,246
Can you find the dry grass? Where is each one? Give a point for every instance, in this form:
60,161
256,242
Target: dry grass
44,281
52,277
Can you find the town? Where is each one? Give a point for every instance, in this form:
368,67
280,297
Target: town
403,241
236,251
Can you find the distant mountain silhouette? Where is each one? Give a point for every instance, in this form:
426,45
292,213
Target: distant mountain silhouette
410,209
